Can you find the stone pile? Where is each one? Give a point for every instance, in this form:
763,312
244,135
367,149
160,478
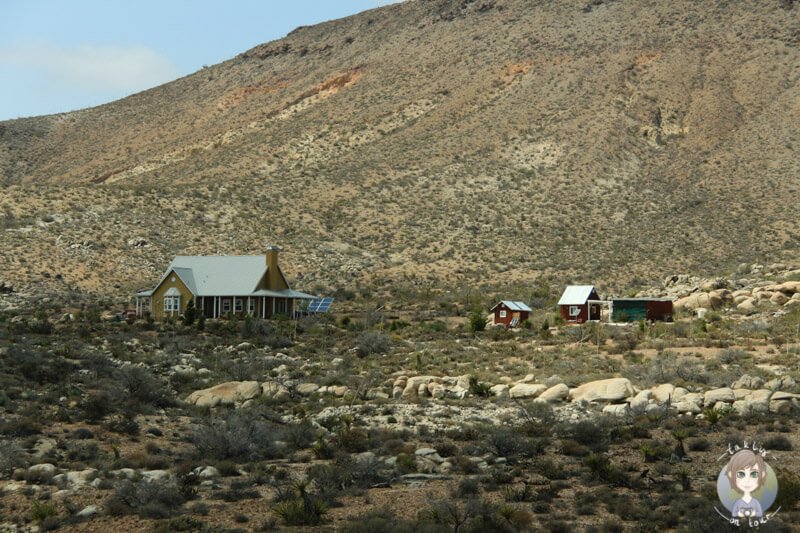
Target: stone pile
613,395
747,294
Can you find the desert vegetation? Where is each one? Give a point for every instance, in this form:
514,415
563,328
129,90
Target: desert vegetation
105,423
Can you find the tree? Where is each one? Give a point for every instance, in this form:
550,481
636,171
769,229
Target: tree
190,313
477,322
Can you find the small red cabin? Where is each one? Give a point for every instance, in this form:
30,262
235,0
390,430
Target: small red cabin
580,303
510,314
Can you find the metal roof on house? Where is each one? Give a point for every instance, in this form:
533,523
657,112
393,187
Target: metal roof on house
219,275
576,295
284,293
514,306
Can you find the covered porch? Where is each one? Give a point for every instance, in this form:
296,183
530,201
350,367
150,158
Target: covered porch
261,304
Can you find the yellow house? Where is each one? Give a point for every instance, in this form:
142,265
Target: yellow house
222,286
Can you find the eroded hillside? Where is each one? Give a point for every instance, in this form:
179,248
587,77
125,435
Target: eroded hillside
443,140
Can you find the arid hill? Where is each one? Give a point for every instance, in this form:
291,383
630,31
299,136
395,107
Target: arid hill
437,140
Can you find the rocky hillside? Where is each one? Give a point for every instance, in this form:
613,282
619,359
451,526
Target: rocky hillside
443,141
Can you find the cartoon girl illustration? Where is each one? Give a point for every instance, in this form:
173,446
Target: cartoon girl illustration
746,472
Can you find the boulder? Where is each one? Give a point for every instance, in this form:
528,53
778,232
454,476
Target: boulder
227,393
698,300
154,475
788,288
617,409
641,400
687,407
307,389
724,394
43,468
272,389
81,477
206,472
781,384
609,390
663,392
747,382
340,390
527,390
749,407
781,407
500,391
680,392
87,512
555,393
417,386
778,298
748,304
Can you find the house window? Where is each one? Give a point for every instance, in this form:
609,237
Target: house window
503,313
238,306
251,306
226,306
281,306
574,310
172,303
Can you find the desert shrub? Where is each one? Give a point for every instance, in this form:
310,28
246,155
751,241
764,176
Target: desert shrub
146,499
300,435
699,445
372,342
20,427
124,423
571,448
778,442
406,463
237,494
467,488
471,517
376,521
42,510
654,451
788,489
446,449
551,470
598,464
305,509
11,456
185,523
509,443
142,387
353,440
240,437
82,434
346,472
732,355
82,452
479,389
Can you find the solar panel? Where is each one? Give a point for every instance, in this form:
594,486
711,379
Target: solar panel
319,305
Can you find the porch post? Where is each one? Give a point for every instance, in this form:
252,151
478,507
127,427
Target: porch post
248,306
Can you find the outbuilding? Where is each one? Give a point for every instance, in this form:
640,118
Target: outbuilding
635,309
580,303
510,313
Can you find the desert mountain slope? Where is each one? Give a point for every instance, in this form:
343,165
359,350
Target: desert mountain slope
491,139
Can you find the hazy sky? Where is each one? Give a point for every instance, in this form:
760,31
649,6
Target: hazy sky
62,55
